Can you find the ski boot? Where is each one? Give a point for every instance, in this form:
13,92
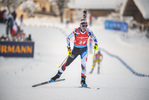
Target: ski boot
83,83
55,77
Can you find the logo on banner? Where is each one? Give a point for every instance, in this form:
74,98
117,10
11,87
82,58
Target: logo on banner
116,25
15,49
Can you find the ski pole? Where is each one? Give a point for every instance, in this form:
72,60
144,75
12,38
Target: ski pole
63,62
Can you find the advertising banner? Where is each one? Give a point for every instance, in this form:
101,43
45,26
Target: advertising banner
116,25
16,49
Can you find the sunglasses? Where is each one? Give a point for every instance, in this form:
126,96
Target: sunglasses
84,25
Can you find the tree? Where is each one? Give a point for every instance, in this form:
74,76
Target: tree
78,15
29,7
61,5
10,4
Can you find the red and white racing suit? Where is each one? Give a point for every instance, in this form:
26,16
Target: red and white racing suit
80,48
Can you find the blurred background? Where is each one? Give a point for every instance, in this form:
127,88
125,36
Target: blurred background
33,44
134,12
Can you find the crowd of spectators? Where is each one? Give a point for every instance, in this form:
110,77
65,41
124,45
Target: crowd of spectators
13,30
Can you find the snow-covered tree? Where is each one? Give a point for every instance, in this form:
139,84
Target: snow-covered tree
78,15
61,5
29,7
10,4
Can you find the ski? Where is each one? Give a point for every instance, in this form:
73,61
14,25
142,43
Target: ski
93,88
47,82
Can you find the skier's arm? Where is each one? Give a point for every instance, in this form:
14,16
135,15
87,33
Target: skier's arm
93,37
90,33
68,39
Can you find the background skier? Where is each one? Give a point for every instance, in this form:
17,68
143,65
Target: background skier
97,59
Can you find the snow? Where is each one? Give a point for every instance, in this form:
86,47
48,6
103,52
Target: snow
116,82
143,6
124,3
94,4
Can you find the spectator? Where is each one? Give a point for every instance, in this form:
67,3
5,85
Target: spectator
21,20
20,35
29,38
14,31
67,22
4,38
1,16
5,16
90,20
9,25
14,15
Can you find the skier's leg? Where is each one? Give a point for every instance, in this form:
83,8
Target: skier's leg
99,67
66,64
56,76
75,53
83,65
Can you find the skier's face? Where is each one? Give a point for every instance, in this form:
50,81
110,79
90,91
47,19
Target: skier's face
83,27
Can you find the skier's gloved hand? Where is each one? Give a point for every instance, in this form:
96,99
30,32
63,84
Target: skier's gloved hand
95,47
69,51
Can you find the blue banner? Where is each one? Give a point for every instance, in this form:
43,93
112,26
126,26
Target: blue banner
116,25
16,49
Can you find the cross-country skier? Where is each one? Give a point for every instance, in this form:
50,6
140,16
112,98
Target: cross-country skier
81,35
97,59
